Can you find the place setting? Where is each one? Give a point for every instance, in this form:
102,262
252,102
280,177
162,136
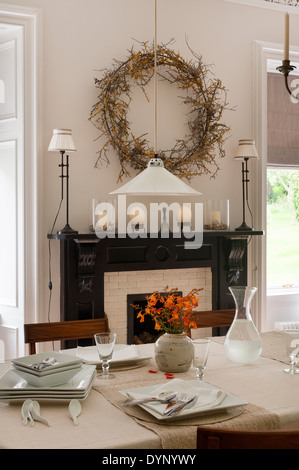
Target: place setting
181,399
123,357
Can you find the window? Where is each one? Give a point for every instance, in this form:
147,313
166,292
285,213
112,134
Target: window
283,228
283,187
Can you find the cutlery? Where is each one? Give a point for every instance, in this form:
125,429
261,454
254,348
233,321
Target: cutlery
74,410
164,397
26,412
186,402
34,410
181,398
51,361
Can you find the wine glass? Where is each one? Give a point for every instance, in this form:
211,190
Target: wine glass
292,346
105,344
200,356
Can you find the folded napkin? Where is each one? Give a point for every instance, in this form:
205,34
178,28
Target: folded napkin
208,396
120,354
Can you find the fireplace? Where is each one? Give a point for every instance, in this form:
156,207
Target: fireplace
141,332
122,289
98,275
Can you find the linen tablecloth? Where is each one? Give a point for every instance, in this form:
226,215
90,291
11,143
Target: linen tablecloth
273,398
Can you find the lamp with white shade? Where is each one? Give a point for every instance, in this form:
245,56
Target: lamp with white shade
246,150
62,141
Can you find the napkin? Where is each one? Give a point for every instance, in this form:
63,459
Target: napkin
120,354
208,396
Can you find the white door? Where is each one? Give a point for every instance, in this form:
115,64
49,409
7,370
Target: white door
11,190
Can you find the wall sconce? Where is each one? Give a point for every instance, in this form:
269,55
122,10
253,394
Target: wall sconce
286,66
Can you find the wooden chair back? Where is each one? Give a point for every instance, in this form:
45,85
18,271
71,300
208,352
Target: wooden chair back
62,331
209,438
213,318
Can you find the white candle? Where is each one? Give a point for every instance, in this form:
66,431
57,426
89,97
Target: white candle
215,217
286,37
93,213
137,213
184,213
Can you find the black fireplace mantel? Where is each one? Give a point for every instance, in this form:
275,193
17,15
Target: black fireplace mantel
84,258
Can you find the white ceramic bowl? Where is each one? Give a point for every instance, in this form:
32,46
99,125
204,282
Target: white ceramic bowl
49,380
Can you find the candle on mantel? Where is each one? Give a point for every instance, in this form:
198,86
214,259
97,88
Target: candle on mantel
215,217
93,213
286,37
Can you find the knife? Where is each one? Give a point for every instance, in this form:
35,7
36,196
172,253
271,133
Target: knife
176,409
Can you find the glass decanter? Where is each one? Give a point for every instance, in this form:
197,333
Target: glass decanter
243,343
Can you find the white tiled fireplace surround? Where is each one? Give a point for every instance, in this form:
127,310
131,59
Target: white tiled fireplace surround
117,285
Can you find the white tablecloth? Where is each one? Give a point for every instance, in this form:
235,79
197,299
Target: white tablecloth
104,426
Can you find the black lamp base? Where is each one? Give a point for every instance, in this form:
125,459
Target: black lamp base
67,230
244,227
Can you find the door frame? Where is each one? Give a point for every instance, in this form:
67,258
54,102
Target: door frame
31,21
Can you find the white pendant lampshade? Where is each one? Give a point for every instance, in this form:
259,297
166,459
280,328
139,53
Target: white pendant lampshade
156,180
246,149
62,140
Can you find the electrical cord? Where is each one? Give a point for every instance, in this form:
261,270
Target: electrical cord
50,285
249,240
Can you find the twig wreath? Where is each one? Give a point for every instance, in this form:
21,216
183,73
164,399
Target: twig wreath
194,155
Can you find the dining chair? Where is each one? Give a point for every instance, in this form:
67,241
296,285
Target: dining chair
213,318
62,331
209,438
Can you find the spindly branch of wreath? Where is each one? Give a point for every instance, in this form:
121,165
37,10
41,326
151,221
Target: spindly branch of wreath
205,96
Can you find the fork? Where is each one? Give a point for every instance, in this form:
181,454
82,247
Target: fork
182,401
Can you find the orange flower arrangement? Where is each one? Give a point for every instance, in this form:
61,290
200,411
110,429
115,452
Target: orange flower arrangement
171,312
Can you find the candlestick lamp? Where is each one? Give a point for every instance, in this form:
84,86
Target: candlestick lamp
62,141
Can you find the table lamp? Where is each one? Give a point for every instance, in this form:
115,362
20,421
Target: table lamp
246,150
62,141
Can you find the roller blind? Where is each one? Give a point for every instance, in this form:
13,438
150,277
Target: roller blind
283,124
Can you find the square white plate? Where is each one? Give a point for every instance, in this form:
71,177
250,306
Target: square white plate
12,383
49,371
62,359
190,387
48,397
89,355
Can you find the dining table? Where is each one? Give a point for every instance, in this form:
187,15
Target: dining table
270,396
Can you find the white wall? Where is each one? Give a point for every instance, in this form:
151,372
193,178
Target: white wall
81,37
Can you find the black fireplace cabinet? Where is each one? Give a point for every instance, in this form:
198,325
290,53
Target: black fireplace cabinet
84,258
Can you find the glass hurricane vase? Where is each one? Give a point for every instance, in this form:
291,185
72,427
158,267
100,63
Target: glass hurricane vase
243,343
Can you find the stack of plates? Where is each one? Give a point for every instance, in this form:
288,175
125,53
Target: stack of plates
15,387
61,370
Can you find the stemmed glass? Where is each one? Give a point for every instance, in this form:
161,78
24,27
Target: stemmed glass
292,345
200,356
105,344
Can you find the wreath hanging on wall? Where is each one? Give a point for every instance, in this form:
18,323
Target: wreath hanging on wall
205,96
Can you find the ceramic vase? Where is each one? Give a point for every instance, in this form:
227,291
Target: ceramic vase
174,352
